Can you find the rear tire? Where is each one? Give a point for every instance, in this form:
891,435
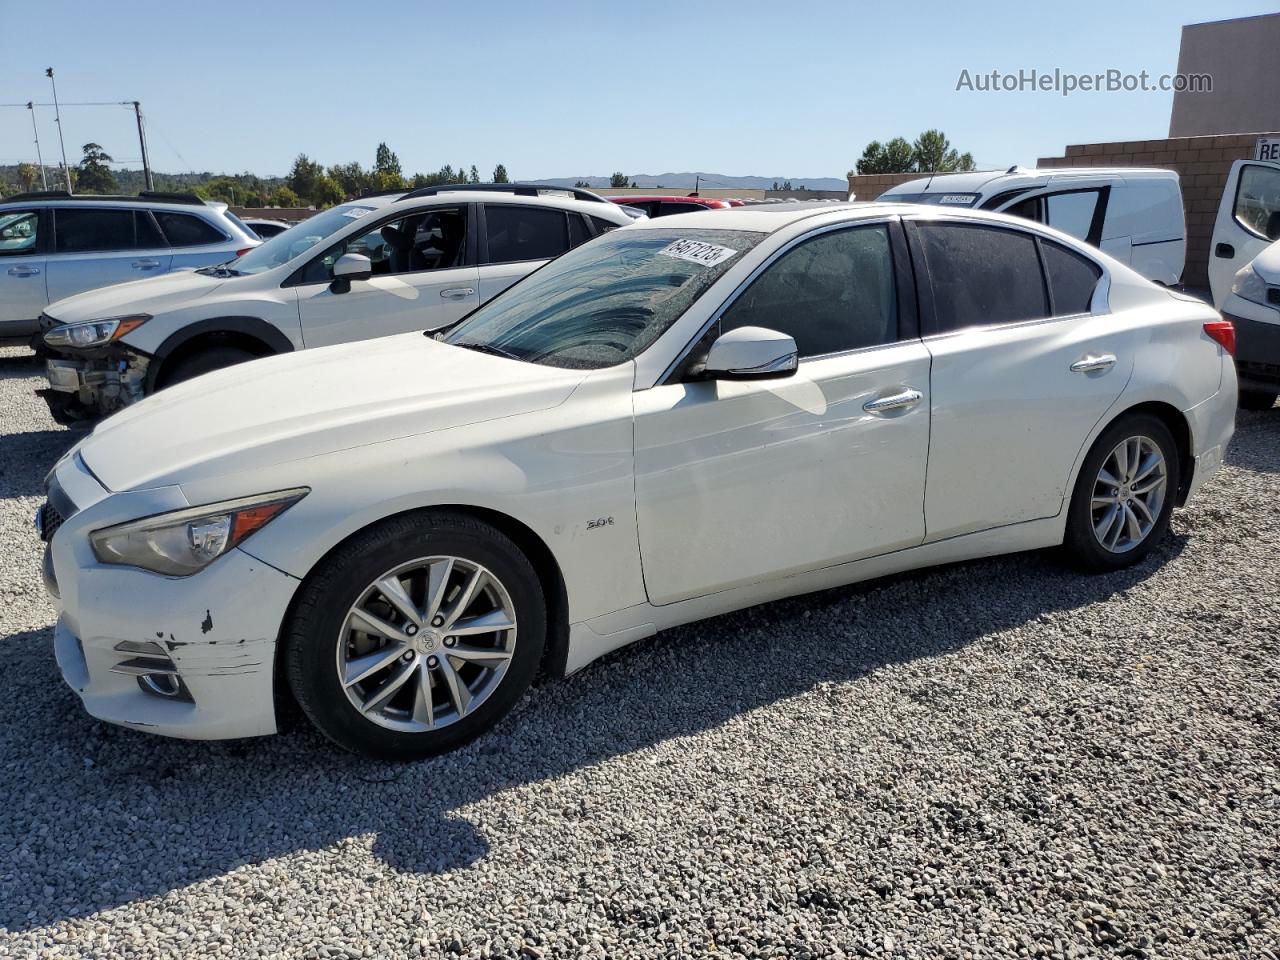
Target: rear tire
206,361
1123,498
415,689
1257,399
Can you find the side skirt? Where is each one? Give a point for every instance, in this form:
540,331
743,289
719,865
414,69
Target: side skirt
592,639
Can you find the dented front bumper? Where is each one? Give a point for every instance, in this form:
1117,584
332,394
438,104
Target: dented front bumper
93,383
186,657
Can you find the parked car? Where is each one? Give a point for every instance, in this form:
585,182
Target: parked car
659,206
381,265
1132,213
54,244
1253,306
266,229
675,420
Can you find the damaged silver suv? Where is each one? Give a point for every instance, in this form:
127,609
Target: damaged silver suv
393,263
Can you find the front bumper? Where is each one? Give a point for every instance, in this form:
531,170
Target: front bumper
189,657
1257,343
93,382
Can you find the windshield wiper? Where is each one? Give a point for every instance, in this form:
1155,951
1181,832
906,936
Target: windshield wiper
489,349
219,270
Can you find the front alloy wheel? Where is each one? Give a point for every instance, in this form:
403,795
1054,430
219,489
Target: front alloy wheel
416,636
426,643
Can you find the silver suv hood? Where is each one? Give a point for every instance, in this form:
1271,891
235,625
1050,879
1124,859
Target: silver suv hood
298,405
148,295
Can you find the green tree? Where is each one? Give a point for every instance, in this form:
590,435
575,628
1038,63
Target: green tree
618,181
93,174
896,156
327,192
500,174
386,162
933,154
475,174
27,176
302,178
285,197
351,177
582,184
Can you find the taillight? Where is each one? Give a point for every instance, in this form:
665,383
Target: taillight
241,253
1224,332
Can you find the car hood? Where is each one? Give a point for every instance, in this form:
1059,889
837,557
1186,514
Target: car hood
148,295
298,405
1267,263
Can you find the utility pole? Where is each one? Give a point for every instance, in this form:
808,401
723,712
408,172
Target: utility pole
57,116
44,180
142,140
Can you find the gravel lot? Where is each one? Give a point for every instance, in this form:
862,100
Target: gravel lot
1001,758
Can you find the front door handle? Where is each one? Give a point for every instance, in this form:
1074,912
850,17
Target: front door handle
23,271
457,293
1092,363
897,401
145,264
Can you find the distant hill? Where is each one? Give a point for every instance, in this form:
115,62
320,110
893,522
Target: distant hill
685,181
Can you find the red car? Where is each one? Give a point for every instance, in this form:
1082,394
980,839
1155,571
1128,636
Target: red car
666,206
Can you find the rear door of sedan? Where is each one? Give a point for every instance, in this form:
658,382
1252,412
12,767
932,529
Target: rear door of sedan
1026,361
745,481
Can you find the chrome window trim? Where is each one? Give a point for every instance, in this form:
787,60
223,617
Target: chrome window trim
665,378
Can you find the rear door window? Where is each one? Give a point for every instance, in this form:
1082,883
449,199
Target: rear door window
186,230
525,233
90,229
981,275
578,232
146,233
1072,212
1072,278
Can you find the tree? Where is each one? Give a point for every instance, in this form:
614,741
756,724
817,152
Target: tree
775,185
285,197
351,177
93,174
475,174
933,154
500,174
386,162
27,176
894,157
328,192
633,185
302,178
582,184
618,181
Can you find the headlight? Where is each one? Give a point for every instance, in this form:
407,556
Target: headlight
184,542
94,333
1248,285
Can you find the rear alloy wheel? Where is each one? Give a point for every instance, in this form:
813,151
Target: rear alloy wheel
1124,495
416,636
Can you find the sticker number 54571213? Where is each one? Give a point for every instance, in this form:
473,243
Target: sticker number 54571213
697,251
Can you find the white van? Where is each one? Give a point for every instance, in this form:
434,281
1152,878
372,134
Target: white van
1248,222
1133,213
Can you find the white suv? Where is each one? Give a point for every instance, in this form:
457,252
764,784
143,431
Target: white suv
367,268
54,245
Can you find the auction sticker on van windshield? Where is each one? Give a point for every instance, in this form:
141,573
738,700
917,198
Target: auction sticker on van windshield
697,251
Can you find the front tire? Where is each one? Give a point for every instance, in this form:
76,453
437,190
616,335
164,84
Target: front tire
1123,498
206,361
416,636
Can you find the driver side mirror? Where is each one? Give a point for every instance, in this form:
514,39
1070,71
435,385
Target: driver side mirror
751,353
350,266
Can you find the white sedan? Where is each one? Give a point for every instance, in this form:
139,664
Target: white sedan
679,418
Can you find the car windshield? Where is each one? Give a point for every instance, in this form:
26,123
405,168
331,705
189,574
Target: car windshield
605,302
299,238
947,199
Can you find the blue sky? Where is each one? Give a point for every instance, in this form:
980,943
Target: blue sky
570,88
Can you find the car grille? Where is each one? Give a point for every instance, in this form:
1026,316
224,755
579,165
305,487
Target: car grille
54,512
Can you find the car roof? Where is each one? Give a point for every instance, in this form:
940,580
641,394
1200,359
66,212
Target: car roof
773,217
453,197
649,198
978,180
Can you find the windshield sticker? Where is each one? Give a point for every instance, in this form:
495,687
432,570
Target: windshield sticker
696,251
964,198
355,213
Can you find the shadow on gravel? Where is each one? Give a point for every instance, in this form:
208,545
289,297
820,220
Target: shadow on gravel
1260,457
97,816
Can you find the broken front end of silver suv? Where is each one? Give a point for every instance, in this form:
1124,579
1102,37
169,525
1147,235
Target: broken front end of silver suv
91,373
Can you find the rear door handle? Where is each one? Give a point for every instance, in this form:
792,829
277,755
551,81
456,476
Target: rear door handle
23,271
897,401
457,293
145,264
1092,364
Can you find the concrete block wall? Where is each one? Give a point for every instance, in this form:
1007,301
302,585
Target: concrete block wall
1202,165
868,186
